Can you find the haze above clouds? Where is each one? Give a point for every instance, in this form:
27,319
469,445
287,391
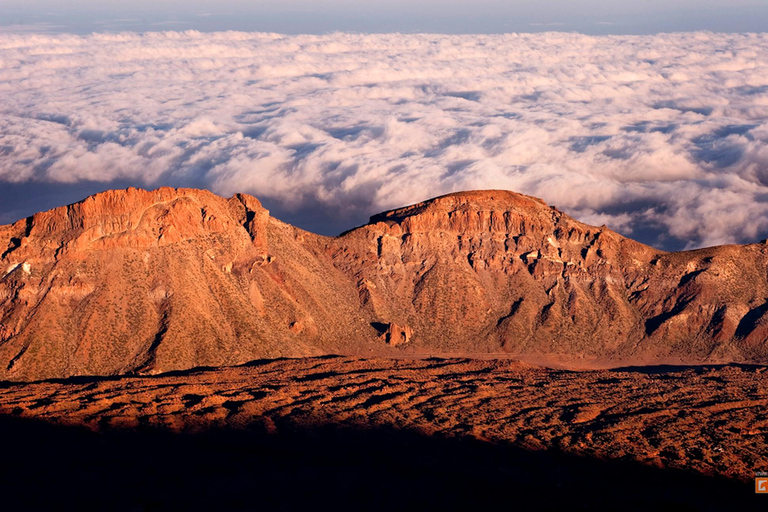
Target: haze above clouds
421,16
662,138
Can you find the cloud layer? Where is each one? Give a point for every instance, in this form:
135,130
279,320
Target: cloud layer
663,138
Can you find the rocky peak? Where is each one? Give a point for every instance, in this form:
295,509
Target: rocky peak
133,218
484,210
502,230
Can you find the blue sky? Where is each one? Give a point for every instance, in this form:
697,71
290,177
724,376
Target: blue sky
322,16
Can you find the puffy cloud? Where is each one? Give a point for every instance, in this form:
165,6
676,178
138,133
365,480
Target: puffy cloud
664,138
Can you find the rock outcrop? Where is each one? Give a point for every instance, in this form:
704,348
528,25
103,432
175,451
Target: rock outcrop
136,281
397,334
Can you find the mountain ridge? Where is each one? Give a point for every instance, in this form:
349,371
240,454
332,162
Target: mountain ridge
136,281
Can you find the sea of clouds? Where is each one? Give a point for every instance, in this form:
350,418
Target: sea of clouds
663,138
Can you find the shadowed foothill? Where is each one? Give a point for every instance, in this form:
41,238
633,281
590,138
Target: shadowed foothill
325,467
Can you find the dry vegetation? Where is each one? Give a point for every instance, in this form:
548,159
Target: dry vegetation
679,422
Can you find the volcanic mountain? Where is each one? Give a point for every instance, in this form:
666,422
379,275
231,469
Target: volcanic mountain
134,281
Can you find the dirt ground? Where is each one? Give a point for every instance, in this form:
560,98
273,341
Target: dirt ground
384,433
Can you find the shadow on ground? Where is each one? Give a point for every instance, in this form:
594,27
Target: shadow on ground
657,369
50,467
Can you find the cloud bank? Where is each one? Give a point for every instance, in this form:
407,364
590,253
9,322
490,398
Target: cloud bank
662,138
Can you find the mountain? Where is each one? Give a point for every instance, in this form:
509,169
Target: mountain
134,281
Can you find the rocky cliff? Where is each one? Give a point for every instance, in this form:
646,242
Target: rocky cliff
136,281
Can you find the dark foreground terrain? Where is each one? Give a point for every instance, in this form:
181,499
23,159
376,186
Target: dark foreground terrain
350,433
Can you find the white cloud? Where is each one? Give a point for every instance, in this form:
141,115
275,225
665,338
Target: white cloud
661,137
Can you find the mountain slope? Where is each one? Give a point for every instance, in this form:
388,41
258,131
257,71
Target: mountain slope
498,271
136,281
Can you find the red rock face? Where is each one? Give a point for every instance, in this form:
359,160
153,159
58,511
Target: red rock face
497,271
133,281
136,281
